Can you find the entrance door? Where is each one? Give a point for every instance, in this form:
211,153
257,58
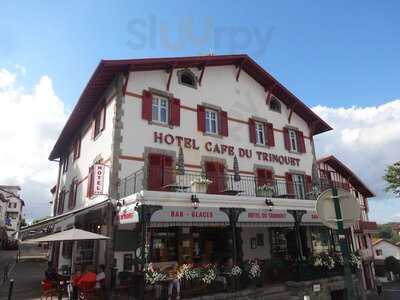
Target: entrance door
160,172
215,172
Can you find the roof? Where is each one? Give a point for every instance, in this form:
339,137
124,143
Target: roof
339,167
376,242
108,69
3,188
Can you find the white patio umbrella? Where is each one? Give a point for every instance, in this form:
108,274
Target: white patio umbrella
73,235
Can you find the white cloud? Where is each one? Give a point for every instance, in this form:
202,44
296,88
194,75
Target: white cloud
30,122
367,139
6,79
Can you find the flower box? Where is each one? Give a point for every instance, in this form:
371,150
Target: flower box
200,185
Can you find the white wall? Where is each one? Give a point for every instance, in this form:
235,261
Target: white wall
388,249
260,252
242,100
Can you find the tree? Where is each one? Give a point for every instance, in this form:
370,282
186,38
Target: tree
385,231
392,177
392,265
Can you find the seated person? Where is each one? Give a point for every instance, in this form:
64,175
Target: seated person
100,278
74,281
172,273
88,277
50,274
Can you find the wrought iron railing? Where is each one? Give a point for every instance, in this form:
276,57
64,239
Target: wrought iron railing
161,179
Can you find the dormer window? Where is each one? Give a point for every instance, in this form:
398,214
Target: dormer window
188,78
274,104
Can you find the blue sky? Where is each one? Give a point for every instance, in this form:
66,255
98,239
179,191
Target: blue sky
332,54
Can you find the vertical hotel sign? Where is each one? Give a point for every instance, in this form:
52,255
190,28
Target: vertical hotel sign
98,179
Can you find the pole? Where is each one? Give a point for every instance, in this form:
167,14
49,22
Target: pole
10,289
348,279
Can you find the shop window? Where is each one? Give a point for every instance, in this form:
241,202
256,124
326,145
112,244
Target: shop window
164,244
274,104
160,171
319,239
215,172
128,262
294,140
187,78
67,249
279,247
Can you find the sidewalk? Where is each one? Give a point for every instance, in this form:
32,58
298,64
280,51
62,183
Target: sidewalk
27,276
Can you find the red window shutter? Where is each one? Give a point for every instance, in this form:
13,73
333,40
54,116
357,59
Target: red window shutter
104,113
261,177
89,191
175,109
252,131
289,183
154,174
286,138
300,141
167,170
269,134
308,183
201,118
147,99
223,123
215,172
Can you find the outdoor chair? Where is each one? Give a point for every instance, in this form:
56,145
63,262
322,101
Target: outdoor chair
48,290
86,290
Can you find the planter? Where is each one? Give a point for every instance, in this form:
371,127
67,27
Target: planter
200,188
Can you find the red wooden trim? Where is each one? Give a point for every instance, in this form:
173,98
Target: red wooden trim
126,83
193,166
133,95
239,71
110,98
170,76
202,73
291,111
128,157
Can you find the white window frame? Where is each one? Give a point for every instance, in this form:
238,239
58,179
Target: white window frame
157,108
211,116
293,140
260,133
299,186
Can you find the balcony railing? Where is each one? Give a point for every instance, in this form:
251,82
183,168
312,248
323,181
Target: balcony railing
325,184
157,179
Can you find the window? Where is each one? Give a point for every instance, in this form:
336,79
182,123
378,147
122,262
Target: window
260,133
211,121
187,78
160,109
12,205
99,121
299,186
77,148
72,194
65,163
379,252
293,140
274,104
164,244
61,199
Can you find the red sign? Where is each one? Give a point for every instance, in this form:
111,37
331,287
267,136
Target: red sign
190,143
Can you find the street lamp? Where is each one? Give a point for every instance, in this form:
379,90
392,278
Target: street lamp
195,201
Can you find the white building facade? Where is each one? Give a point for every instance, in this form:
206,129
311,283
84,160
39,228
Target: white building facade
12,209
209,159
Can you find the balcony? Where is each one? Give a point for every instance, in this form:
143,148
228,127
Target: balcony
326,184
155,179
365,227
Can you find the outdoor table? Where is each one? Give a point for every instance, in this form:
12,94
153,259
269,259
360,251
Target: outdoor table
232,192
175,187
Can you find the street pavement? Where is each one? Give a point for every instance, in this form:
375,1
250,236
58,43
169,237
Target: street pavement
391,291
7,260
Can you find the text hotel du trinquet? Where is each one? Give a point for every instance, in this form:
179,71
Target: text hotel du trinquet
191,143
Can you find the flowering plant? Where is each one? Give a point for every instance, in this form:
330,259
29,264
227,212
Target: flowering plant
354,260
324,260
208,274
236,271
253,269
188,272
153,275
338,259
200,180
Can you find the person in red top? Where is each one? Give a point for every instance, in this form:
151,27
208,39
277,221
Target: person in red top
87,278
